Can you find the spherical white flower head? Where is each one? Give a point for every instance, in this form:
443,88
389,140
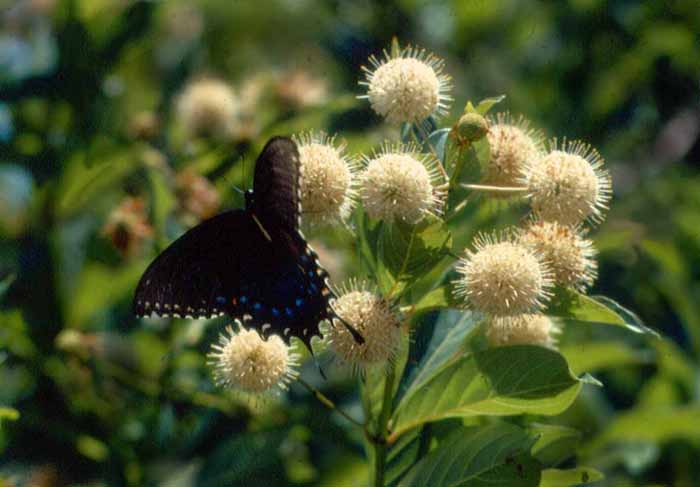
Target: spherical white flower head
407,87
570,256
245,361
374,320
569,184
527,329
399,183
327,179
207,107
502,277
514,145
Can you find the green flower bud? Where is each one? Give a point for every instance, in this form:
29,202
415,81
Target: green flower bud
472,127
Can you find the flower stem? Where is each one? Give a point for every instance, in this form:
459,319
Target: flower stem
326,401
379,440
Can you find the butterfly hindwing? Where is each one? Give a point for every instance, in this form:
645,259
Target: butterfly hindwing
227,265
199,272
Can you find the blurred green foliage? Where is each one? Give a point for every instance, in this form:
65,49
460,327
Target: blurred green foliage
92,396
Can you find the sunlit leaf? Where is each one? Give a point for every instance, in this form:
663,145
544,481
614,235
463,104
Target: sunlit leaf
552,477
499,381
487,103
575,306
92,448
445,340
408,251
493,455
9,414
554,443
100,286
440,297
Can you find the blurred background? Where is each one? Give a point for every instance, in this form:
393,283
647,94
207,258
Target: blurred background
98,172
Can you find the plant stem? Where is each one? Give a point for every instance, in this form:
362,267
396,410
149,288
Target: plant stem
499,189
379,441
326,401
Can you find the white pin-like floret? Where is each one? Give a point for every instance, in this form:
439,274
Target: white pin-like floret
207,107
526,329
514,146
569,184
407,86
502,277
373,318
327,179
245,361
571,257
400,183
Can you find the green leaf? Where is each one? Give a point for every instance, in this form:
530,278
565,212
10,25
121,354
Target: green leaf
657,425
496,382
552,477
592,356
440,297
438,142
9,414
487,103
5,284
554,443
100,286
493,455
80,183
575,306
92,448
242,457
162,202
375,379
409,251
446,342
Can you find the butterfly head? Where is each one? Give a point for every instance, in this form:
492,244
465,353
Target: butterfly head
249,199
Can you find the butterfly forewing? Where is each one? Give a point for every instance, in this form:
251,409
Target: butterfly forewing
276,183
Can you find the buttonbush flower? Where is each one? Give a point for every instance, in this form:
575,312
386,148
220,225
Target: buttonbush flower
373,318
400,183
408,86
502,277
207,107
569,184
570,256
245,361
327,179
526,329
514,145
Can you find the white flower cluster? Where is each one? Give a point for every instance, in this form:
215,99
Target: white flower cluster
510,278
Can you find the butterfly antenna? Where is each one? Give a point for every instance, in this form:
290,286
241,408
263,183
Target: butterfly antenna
228,181
353,331
318,364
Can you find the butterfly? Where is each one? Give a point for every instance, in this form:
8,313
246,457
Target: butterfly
252,262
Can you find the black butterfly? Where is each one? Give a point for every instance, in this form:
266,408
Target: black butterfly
252,262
